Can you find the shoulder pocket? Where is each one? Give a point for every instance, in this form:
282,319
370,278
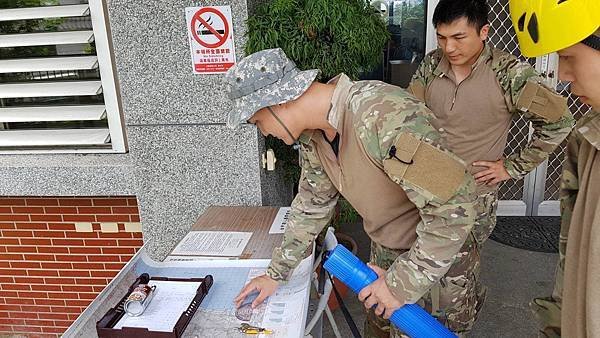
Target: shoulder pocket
417,90
421,164
541,101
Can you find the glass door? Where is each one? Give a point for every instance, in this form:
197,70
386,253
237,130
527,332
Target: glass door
407,24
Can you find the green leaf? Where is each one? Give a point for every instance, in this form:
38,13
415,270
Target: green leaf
341,36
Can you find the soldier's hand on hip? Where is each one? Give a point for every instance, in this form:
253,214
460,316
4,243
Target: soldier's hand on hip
264,284
378,293
495,172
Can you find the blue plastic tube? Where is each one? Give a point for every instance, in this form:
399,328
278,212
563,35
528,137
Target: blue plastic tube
410,318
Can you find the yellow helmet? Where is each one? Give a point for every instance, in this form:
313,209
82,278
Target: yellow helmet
546,26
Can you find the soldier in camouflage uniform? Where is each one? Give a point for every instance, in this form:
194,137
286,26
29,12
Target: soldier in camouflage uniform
574,307
374,144
475,91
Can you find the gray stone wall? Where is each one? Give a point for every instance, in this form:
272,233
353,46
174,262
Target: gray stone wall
185,159
66,175
181,157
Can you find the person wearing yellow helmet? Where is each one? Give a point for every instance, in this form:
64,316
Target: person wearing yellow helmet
544,26
571,28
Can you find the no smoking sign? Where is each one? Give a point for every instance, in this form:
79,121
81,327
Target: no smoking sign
210,33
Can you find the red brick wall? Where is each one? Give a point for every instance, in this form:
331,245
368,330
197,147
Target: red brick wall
57,254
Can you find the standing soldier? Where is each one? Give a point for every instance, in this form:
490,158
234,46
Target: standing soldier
475,91
373,143
541,29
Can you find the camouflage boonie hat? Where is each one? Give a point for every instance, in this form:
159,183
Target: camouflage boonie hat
264,79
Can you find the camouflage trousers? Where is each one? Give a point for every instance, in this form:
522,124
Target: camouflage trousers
455,300
547,310
486,207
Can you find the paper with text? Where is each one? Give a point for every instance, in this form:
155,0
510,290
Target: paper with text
213,243
280,221
170,300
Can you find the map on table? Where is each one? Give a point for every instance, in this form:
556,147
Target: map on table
283,312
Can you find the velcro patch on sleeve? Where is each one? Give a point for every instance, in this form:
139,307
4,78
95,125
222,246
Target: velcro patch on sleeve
541,101
425,166
418,90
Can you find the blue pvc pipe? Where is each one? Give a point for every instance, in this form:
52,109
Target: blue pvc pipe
411,318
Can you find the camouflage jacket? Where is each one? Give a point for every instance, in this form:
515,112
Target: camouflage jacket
524,94
383,117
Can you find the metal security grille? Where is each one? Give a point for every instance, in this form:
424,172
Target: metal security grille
503,36
555,161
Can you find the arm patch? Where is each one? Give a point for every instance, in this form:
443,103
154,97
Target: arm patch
418,90
542,102
425,166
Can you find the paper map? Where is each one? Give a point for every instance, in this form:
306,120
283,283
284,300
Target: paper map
283,312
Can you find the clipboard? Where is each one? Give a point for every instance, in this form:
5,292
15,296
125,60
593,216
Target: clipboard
105,326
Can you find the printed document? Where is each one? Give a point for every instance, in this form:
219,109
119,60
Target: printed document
280,222
213,243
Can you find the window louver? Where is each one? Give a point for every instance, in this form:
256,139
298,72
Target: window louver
57,85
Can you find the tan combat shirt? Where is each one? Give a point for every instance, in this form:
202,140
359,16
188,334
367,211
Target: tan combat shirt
474,116
420,199
580,231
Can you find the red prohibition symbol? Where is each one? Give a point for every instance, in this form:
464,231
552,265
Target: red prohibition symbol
221,37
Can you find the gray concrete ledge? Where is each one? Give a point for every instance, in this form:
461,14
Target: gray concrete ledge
66,175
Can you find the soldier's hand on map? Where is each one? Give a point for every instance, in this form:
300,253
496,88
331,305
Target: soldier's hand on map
264,284
378,293
495,172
